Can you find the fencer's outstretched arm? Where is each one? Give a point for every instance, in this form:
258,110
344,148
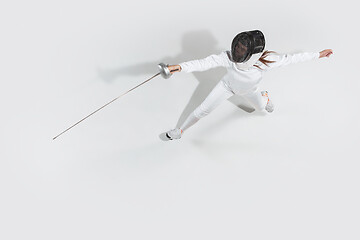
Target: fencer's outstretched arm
286,59
212,61
221,59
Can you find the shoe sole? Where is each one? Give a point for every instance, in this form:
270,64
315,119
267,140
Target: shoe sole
168,137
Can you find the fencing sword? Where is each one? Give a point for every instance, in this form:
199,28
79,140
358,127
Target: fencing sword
164,72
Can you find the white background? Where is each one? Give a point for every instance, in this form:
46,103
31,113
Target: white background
293,174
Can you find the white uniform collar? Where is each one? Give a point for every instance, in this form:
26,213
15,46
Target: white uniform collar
249,63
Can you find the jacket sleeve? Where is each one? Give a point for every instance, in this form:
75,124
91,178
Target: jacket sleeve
286,59
212,61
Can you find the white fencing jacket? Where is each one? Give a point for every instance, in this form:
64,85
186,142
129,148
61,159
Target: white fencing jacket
244,81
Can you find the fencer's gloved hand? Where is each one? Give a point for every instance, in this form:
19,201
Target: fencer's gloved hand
174,68
326,53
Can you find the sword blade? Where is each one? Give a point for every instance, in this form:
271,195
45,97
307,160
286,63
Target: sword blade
105,106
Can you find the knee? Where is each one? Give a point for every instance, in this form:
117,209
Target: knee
259,107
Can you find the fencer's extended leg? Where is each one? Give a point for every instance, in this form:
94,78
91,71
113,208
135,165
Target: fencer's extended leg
216,96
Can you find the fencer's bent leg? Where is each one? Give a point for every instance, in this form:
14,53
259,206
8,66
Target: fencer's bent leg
216,96
256,100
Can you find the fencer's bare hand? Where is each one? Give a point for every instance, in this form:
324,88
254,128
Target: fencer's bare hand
326,53
174,68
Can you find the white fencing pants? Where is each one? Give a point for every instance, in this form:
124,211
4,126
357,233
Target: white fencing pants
220,93
256,100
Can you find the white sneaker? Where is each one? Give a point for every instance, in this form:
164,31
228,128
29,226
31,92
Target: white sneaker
174,134
269,105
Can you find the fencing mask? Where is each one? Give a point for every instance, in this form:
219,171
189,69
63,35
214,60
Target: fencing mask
247,48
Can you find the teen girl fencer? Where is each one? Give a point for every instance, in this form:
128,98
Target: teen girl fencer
246,63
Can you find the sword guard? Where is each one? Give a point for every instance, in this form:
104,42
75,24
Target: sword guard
164,70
